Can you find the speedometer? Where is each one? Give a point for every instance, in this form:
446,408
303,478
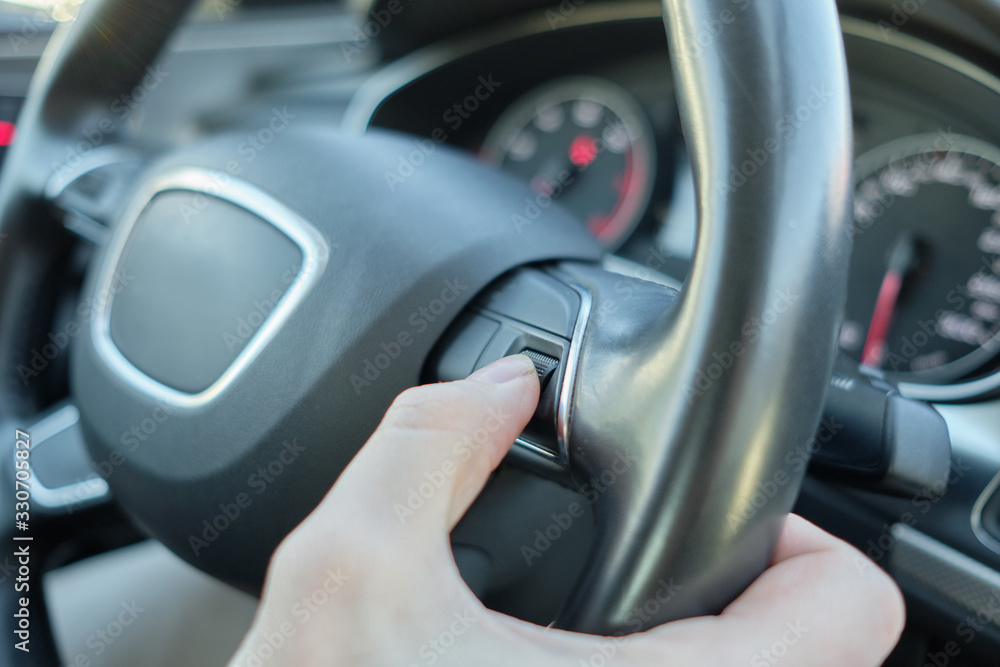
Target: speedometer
924,292
585,143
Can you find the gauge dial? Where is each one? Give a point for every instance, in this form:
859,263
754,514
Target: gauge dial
924,292
585,143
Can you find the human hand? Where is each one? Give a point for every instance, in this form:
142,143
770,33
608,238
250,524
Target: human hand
353,585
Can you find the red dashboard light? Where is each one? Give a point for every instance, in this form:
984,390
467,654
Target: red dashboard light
7,132
582,151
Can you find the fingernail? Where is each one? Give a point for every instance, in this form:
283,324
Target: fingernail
505,370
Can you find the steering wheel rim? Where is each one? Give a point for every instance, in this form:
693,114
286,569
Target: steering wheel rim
690,445
774,243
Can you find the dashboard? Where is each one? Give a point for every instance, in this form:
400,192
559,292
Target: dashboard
587,117
581,106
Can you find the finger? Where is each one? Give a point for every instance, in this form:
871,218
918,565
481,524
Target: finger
435,449
382,531
800,537
822,602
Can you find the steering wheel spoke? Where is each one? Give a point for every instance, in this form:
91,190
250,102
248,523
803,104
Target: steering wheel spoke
87,197
56,510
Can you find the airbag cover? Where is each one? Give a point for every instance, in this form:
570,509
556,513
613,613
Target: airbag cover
221,481
188,285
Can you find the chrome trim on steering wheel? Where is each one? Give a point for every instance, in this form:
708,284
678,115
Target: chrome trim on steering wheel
567,378
315,253
72,497
572,362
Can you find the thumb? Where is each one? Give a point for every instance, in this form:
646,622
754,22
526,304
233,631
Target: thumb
435,449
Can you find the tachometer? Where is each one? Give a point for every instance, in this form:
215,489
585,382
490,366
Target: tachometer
585,143
924,293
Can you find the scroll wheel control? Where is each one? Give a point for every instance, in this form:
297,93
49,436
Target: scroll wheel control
545,365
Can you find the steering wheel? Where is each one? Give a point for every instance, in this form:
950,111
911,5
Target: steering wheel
252,312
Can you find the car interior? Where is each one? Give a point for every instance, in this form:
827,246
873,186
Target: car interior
752,249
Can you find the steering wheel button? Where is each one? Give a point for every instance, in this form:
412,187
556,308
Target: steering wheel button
463,346
535,298
545,366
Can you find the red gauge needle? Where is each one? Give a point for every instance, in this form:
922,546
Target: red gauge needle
901,260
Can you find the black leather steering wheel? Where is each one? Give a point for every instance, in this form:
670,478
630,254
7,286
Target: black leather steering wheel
705,392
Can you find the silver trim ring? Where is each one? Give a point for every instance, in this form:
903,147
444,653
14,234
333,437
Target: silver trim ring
315,254
536,450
